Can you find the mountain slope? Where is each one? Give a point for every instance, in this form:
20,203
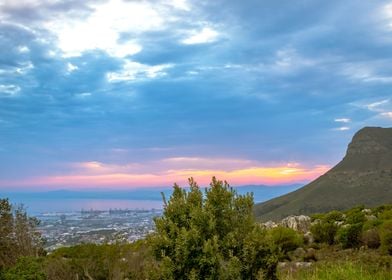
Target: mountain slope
364,176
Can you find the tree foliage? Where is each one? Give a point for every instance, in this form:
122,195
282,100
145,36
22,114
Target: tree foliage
26,268
350,235
18,234
324,231
284,239
211,236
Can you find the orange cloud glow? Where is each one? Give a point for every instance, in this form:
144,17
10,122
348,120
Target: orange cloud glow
167,171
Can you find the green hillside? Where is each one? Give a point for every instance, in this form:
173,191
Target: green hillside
364,176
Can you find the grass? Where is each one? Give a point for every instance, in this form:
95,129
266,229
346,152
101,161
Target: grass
336,264
334,271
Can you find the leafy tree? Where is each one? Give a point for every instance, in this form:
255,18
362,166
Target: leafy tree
26,236
211,236
18,234
6,229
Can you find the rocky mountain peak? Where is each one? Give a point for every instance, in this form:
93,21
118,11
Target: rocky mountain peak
370,140
363,177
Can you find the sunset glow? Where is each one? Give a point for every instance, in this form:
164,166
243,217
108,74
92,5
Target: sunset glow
124,94
99,175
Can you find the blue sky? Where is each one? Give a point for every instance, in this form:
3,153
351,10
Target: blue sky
121,94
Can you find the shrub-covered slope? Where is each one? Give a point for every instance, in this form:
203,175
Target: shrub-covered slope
364,176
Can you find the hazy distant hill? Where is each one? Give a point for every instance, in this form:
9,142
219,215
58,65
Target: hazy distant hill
364,176
67,200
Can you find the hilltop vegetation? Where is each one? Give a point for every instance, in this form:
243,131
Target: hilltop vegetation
364,176
210,235
351,244
18,234
213,235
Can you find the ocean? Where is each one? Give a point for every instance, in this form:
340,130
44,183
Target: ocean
71,201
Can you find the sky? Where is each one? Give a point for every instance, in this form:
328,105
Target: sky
113,94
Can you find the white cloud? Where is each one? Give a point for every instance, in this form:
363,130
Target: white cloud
364,73
113,26
135,70
343,120
83,95
381,108
387,11
12,4
10,90
71,67
287,60
180,4
23,49
387,115
101,30
206,35
342,128
125,49
23,68
375,106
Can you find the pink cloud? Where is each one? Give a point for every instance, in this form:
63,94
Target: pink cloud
165,172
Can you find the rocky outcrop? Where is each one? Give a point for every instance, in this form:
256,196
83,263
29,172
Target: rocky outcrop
369,141
298,223
269,225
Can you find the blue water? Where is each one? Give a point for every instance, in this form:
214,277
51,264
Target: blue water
70,201
37,206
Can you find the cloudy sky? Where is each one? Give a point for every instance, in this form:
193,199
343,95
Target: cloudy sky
122,94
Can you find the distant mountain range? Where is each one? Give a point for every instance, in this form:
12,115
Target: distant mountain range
260,193
363,177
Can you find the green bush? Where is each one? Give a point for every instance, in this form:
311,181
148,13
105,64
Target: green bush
204,236
385,215
324,232
326,226
355,216
372,224
350,235
26,268
284,239
386,237
381,209
333,216
107,261
371,238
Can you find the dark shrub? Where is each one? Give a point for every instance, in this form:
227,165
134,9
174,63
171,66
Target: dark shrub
371,238
386,237
355,216
324,232
350,236
27,268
